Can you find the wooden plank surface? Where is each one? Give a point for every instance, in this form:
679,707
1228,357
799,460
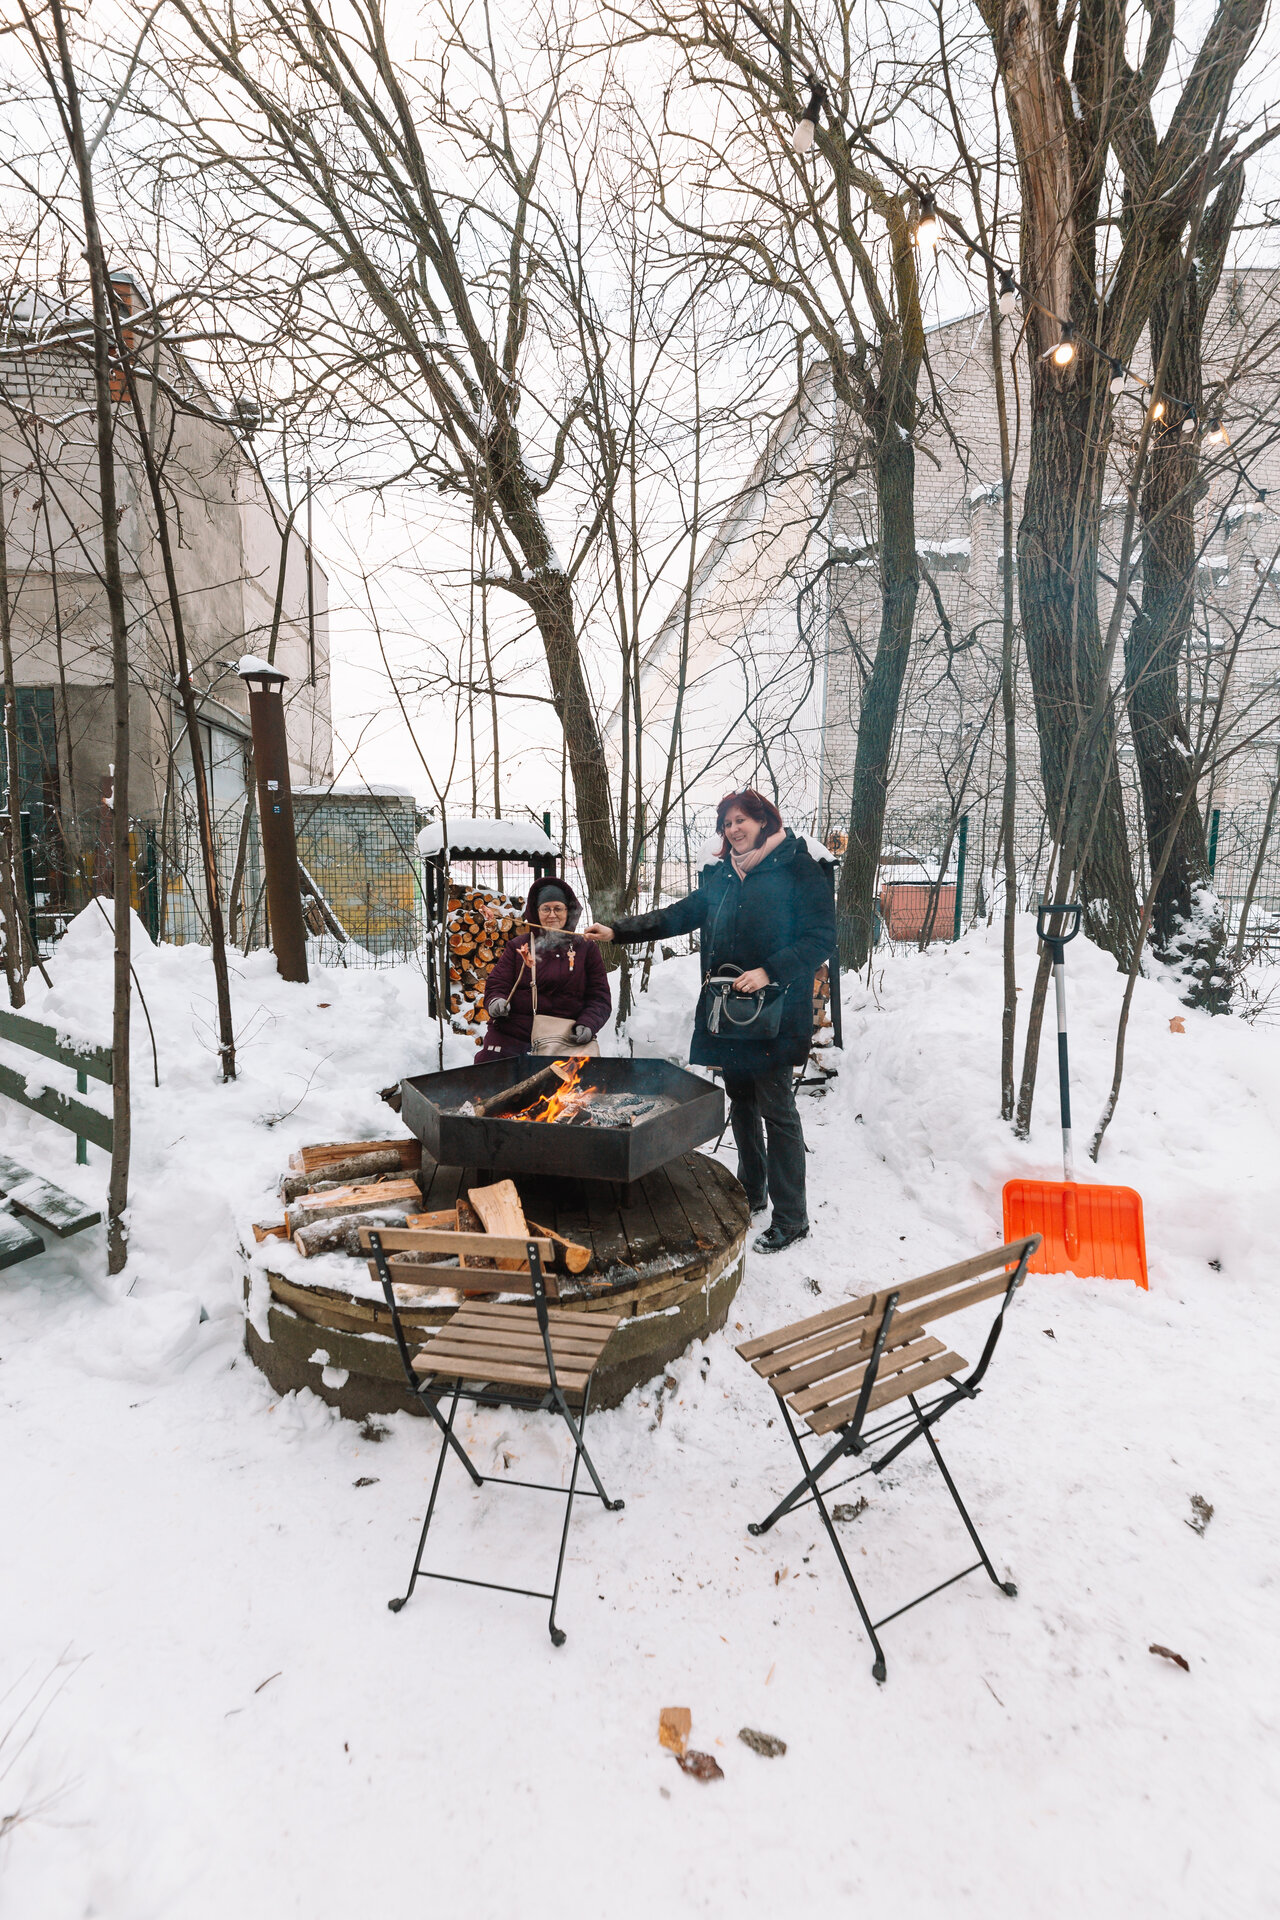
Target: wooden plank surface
37,1037
59,1107
704,1221
17,1241
61,1212
884,1391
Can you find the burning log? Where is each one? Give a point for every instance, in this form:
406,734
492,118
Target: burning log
541,1082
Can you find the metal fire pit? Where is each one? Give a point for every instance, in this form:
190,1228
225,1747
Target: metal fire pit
430,1102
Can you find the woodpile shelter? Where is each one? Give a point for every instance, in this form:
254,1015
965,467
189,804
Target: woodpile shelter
467,927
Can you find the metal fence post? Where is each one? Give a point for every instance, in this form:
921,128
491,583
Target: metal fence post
964,841
1213,839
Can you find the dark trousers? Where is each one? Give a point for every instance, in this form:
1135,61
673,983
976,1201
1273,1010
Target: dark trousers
760,1104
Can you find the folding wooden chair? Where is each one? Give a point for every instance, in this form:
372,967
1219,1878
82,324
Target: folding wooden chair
836,1369
533,1357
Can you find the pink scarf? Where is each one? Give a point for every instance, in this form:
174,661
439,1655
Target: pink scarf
743,862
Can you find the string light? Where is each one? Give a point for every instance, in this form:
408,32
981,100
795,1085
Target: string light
806,126
1064,352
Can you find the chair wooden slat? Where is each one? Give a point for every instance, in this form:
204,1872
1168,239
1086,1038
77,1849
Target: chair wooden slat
574,1326
838,1385
511,1346
504,1373
838,1361
441,1240
896,1388
872,1305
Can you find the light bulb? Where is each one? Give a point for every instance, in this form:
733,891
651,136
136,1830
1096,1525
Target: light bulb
806,127
1217,436
1065,351
1157,411
1189,424
1118,377
1008,301
927,225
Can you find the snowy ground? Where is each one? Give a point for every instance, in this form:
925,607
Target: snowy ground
208,1710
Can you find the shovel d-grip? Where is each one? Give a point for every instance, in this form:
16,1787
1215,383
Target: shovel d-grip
1056,923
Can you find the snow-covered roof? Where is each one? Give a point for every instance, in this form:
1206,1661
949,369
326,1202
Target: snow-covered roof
356,791
488,839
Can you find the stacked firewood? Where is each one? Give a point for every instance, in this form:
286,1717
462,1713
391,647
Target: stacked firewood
478,925
335,1191
822,998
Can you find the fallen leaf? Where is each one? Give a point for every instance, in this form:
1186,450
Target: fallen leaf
1177,1024
703,1766
1052,1335
1167,1653
366,1480
850,1509
673,1728
1202,1511
767,1744
779,1575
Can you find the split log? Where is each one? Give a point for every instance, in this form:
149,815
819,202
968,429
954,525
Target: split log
342,1235
469,1221
402,1194
311,1159
577,1258
270,1230
499,1208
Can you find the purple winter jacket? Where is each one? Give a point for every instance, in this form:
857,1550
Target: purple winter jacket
572,982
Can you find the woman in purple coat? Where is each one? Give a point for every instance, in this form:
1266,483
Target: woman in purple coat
564,971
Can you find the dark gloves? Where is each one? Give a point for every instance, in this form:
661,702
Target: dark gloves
499,1009
580,1035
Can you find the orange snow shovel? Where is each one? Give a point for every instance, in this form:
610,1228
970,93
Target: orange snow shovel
1095,1232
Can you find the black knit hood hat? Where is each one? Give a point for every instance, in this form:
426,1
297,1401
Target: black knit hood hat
547,888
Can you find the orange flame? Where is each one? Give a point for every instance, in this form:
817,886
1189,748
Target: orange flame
565,1101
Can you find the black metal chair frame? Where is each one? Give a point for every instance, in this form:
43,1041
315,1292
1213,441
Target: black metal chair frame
491,1395
855,1439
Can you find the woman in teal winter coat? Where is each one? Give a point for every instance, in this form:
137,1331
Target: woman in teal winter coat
765,911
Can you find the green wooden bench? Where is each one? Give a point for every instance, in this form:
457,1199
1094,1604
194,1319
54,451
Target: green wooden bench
29,1194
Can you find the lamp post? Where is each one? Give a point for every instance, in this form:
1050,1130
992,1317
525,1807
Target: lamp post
275,810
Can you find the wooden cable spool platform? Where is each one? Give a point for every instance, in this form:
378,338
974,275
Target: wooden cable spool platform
667,1252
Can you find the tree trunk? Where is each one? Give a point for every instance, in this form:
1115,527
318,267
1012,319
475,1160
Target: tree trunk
1187,925
878,716
1058,599
113,582
17,935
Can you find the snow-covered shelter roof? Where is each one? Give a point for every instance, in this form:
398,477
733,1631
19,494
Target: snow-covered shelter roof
487,840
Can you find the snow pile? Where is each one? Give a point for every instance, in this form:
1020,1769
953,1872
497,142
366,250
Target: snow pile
225,1718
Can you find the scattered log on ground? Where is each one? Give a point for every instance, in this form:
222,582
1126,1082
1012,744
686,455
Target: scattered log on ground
576,1257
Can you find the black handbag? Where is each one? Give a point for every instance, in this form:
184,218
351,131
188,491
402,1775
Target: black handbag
747,1016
